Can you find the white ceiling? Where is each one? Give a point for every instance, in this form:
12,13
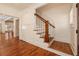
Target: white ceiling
57,6
23,5
5,17
18,6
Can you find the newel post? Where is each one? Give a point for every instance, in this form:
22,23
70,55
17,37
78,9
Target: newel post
46,38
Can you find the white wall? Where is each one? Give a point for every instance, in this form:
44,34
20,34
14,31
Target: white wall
73,27
58,14
27,24
7,10
26,19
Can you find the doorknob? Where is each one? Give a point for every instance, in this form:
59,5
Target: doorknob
76,31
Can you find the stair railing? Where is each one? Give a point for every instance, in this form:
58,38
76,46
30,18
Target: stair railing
45,28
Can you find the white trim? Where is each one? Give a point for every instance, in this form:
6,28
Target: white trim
73,50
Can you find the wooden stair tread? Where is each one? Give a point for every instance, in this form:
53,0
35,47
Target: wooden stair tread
36,30
50,38
40,33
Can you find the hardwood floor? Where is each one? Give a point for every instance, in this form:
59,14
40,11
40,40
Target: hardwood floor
63,47
16,47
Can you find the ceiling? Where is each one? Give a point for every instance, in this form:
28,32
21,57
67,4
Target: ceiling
56,6
5,17
18,6
23,5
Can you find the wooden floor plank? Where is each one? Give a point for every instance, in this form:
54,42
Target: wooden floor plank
15,47
63,47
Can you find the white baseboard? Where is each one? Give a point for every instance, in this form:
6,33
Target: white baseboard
51,43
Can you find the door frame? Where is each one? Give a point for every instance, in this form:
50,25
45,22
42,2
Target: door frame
77,31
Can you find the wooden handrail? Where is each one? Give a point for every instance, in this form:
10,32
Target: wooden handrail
42,19
47,24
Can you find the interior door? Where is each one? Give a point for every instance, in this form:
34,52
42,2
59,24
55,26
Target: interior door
77,31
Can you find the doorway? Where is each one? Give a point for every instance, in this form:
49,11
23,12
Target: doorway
9,28
77,31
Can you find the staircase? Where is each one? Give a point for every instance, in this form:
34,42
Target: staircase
45,29
46,32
